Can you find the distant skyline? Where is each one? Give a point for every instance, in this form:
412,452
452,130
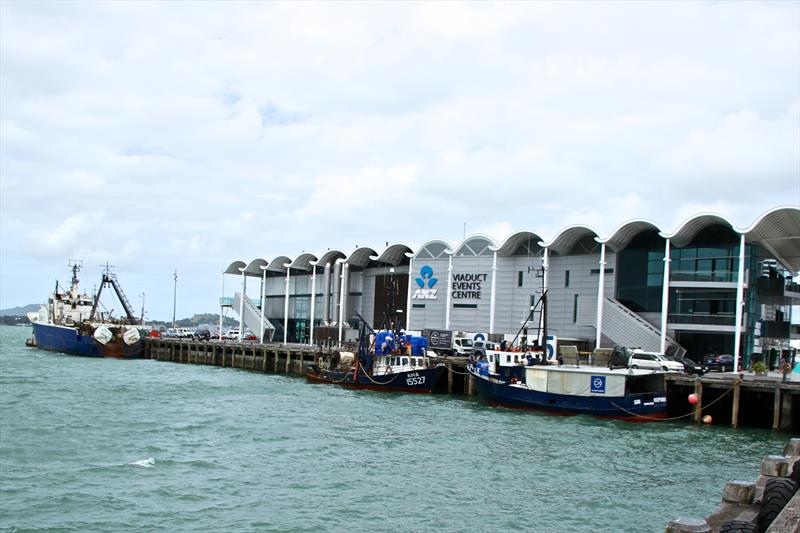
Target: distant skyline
164,136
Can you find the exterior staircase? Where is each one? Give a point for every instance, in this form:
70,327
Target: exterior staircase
252,316
626,328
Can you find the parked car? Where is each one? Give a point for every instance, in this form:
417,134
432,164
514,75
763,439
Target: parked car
480,347
690,366
654,361
231,335
202,335
721,363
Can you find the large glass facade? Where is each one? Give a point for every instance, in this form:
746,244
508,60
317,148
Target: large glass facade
640,273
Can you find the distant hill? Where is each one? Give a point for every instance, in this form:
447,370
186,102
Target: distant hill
20,311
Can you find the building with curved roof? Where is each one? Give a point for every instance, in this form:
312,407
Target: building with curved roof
680,291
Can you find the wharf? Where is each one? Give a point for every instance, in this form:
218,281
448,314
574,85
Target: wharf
730,399
279,358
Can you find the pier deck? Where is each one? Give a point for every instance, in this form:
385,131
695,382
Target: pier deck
735,399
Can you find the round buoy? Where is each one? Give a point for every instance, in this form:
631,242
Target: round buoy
707,419
693,398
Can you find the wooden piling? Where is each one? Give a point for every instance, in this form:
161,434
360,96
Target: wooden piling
776,411
288,360
449,377
698,407
735,412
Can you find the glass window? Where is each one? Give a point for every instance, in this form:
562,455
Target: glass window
519,279
405,360
566,278
508,359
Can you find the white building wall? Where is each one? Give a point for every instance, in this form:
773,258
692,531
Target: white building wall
478,293
429,313
562,318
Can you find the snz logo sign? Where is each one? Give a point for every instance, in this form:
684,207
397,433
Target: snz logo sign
598,384
426,282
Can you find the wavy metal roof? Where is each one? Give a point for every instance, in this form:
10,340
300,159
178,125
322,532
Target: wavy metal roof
566,239
622,236
330,257
687,231
476,245
515,240
395,254
778,230
304,261
236,267
362,257
254,268
279,264
433,249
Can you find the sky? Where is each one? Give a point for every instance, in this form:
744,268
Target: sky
181,136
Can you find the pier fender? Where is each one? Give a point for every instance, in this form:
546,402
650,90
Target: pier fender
131,337
102,335
777,493
688,525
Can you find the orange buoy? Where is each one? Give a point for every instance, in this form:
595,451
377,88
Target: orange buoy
693,399
707,419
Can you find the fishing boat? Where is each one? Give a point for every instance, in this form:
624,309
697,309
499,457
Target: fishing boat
572,389
399,364
540,381
71,323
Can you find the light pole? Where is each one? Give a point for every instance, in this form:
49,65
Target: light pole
174,298
142,309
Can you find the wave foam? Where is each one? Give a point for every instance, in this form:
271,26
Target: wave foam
146,463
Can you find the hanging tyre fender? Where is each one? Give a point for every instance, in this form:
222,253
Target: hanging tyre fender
777,493
738,526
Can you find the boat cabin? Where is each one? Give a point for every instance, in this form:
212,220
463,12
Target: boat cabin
393,363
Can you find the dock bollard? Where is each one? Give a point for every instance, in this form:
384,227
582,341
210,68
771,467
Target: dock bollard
774,466
792,447
688,525
743,492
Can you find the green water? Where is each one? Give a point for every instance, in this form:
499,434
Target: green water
107,445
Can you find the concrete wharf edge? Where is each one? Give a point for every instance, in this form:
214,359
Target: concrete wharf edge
292,359
741,499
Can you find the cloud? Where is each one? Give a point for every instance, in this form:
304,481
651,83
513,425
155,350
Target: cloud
171,138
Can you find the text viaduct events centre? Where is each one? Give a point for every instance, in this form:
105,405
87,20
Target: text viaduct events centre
641,286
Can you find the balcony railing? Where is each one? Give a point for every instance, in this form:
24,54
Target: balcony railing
228,301
702,319
724,276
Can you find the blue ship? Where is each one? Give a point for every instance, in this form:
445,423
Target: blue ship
566,389
70,323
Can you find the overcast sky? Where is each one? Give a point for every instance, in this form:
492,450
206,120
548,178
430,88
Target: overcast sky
166,135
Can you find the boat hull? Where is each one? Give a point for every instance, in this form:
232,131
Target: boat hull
639,407
417,381
71,341
64,339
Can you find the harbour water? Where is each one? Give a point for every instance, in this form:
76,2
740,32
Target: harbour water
109,445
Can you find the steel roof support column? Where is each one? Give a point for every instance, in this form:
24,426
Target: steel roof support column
665,299
340,318
408,296
449,284
263,297
286,308
241,306
313,302
600,297
326,295
493,297
737,337
220,305
336,297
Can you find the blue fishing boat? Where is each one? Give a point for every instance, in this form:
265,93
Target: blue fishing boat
569,389
540,381
71,323
398,364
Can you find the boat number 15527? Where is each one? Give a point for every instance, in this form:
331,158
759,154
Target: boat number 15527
420,380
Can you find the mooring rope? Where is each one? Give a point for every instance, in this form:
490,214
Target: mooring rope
738,381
